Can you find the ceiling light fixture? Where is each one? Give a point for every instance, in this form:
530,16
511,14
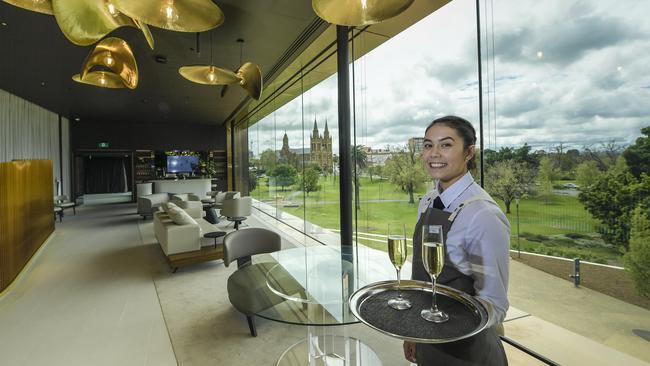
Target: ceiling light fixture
39,6
358,12
110,65
248,76
180,16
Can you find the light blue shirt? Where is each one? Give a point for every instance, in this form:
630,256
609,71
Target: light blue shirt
478,242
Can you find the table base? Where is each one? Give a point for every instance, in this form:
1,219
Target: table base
329,350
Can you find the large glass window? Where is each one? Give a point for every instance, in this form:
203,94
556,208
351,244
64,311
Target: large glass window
565,96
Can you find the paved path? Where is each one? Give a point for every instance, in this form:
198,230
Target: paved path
599,317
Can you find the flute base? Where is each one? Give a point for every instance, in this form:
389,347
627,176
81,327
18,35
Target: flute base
434,316
399,303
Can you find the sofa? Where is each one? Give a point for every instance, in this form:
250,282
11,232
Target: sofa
187,237
148,204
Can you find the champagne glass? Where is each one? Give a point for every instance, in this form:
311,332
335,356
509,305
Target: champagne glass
433,258
397,253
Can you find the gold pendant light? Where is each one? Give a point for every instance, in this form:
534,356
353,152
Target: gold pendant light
39,6
112,58
176,15
251,79
208,75
102,79
249,76
85,22
358,12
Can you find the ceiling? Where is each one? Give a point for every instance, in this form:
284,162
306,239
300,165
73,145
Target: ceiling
37,63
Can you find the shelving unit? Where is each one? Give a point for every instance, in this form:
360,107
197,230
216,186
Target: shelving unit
145,168
220,178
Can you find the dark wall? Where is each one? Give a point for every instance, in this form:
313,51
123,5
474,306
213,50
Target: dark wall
148,136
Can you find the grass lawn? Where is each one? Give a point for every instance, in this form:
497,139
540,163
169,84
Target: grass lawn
547,225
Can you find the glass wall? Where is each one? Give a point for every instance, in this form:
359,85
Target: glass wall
565,120
565,96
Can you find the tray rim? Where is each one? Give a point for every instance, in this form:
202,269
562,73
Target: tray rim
360,295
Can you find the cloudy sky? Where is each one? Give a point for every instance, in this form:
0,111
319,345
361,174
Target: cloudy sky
554,71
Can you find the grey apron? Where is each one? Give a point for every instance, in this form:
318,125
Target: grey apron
484,348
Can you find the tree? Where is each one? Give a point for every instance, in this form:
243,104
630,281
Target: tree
252,180
283,174
508,180
375,170
268,160
404,169
637,156
611,200
361,162
310,180
546,176
520,155
637,259
587,173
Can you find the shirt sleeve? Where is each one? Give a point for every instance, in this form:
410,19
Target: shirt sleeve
487,245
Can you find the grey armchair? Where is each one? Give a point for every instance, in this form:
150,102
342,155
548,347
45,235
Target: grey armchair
247,288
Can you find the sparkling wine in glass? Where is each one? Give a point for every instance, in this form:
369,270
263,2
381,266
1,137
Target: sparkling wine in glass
397,253
433,258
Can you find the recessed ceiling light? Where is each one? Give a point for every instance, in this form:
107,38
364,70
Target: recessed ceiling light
77,119
4,24
42,83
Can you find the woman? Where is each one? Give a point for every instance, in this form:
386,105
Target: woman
477,238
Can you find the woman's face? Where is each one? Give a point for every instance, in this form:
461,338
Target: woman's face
444,156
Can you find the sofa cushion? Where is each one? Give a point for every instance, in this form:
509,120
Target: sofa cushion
180,217
167,205
219,197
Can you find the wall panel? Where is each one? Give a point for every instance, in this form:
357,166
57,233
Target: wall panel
28,131
26,213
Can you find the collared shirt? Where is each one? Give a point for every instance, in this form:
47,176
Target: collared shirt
478,242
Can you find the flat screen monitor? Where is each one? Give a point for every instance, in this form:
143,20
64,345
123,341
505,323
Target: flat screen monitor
182,164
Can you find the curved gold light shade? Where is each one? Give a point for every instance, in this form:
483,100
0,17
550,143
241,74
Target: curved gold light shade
208,75
111,58
358,12
39,6
248,77
251,79
85,22
176,15
146,31
104,79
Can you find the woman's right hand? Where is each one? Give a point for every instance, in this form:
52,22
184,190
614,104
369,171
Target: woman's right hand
409,351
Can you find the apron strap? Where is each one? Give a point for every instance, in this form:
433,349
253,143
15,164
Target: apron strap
455,212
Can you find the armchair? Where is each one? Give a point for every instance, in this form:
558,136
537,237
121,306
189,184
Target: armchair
247,288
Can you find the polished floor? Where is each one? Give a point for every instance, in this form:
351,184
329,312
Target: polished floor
100,293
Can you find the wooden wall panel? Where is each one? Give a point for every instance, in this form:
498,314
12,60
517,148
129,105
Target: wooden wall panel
26,213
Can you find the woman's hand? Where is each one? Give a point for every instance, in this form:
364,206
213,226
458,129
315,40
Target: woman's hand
409,351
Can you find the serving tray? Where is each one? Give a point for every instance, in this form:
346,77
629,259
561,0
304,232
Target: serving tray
467,315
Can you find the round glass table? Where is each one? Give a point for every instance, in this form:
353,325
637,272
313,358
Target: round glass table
316,283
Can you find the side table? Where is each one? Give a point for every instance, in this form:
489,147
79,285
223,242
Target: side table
215,235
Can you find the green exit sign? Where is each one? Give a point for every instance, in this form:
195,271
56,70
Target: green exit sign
102,145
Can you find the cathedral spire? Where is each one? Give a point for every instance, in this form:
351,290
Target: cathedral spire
326,134
315,132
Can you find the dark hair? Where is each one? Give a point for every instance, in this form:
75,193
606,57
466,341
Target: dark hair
463,128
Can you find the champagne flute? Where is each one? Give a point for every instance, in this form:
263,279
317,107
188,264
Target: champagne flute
397,253
433,258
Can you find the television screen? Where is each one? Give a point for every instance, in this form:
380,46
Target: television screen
182,164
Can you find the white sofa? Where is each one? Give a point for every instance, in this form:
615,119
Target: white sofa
175,238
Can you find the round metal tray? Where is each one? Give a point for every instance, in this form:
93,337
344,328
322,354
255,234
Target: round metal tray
468,316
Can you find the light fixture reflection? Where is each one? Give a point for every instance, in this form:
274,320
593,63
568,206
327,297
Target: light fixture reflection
109,60
111,9
169,12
